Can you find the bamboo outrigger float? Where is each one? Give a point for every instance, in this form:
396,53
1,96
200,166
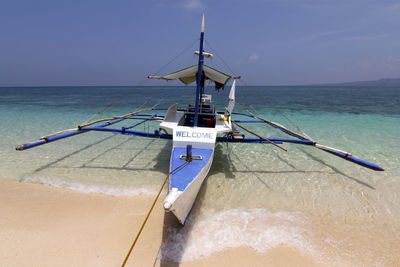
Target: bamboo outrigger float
194,131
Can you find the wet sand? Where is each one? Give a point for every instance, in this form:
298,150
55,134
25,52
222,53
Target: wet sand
46,226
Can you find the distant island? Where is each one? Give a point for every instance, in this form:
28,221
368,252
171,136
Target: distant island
387,82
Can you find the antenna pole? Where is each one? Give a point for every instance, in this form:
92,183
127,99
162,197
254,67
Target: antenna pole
200,76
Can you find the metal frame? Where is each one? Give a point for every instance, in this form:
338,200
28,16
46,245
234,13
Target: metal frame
127,130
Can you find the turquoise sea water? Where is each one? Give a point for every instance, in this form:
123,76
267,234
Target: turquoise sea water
255,195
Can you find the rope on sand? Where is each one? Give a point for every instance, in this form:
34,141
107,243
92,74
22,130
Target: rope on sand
149,213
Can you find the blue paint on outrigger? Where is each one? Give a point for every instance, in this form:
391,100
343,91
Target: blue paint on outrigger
358,161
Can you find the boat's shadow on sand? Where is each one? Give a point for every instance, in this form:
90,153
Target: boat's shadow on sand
224,159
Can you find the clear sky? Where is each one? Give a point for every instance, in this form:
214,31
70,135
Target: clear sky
267,42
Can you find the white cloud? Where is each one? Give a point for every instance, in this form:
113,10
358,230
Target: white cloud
193,5
254,57
314,36
367,37
393,59
396,6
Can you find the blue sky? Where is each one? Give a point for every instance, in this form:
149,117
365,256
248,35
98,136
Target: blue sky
267,42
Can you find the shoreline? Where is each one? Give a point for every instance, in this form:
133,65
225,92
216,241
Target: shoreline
48,226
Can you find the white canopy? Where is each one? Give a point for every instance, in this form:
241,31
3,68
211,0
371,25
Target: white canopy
188,76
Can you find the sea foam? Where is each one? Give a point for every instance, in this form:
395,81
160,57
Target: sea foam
256,228
112,190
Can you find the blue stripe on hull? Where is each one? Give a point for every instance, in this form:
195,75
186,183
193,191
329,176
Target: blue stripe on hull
182,177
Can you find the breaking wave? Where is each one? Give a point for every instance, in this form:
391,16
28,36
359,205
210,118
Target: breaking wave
112,190
255,228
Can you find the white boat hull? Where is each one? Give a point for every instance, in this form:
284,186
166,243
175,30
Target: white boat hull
187,176
184,200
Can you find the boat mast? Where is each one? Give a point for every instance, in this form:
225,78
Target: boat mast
199,76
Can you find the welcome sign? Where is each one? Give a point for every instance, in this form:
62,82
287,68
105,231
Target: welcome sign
194,134
188,135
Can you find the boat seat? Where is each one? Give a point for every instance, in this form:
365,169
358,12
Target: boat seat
203,108
205,120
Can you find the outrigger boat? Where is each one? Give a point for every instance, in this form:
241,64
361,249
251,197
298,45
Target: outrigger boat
195,130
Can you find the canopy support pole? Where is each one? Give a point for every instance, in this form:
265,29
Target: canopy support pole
199,77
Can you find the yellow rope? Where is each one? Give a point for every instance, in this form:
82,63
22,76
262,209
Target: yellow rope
148,214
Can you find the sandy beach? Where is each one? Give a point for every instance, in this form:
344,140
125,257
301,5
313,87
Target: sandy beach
47,226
